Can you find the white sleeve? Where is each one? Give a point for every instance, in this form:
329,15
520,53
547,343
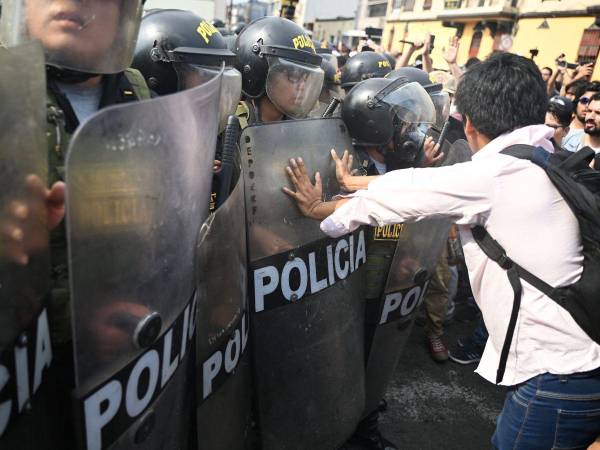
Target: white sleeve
461,192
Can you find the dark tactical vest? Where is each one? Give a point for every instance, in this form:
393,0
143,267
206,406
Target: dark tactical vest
382,242
127,86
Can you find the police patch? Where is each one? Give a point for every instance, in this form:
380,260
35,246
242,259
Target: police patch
388,232
291,276
206,30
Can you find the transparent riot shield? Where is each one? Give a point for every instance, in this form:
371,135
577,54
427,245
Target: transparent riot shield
390,318
305,293
138,178
28,405
223,372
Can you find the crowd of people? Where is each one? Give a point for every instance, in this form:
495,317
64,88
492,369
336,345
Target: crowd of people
158,289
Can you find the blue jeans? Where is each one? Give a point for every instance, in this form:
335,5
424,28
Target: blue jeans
551,412
480,335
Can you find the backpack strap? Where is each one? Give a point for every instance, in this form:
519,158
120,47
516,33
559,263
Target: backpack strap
586,154
515,273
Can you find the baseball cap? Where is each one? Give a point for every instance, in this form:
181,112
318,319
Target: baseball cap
562,108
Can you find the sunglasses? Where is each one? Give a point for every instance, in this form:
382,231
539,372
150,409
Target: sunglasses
554,126
584,100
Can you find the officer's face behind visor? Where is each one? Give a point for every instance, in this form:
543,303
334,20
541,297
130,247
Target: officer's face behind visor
191,75
92,36
414,112
293,88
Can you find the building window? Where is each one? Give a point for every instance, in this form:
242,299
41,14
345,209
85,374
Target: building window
397,4
589,46
452,4
378,10
409,5
427,4
475,43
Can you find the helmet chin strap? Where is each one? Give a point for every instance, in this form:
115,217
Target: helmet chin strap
67,75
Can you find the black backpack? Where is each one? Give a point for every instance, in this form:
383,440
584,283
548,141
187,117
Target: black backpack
580,187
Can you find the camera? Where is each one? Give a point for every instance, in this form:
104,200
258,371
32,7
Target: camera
567,65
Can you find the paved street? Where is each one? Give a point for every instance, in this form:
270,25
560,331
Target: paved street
440,406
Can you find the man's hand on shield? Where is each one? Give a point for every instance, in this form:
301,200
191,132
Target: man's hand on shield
308,196
345,175
20,233
343,169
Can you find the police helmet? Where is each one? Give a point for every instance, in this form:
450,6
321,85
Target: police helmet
363,66
277,58
171,39
238,27
178,50
441,99
379,112
329,64
218,23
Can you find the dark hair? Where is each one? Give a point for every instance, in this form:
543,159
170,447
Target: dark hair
501,94
595,97
562,116
594,86
575,86
583,87
548,68
471,62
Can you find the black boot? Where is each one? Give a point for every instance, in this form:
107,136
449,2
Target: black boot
368,437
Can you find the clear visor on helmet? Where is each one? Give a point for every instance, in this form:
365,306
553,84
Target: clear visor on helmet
91,36
191,75
441,102
411,104
293,88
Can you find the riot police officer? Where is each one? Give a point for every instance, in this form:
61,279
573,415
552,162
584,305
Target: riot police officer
177,50
440,99
281,71
437,299
88,47
389,121
296,335
331,85
363,66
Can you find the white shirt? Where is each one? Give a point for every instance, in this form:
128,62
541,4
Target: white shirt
516,202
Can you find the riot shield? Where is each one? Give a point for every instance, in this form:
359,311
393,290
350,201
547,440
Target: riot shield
305,293
390,317
27,401
223,372
138,178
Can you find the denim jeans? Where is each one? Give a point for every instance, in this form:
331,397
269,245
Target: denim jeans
551,412
480,335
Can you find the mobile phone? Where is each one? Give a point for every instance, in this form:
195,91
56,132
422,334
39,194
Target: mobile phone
572,66
443,133
431,42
